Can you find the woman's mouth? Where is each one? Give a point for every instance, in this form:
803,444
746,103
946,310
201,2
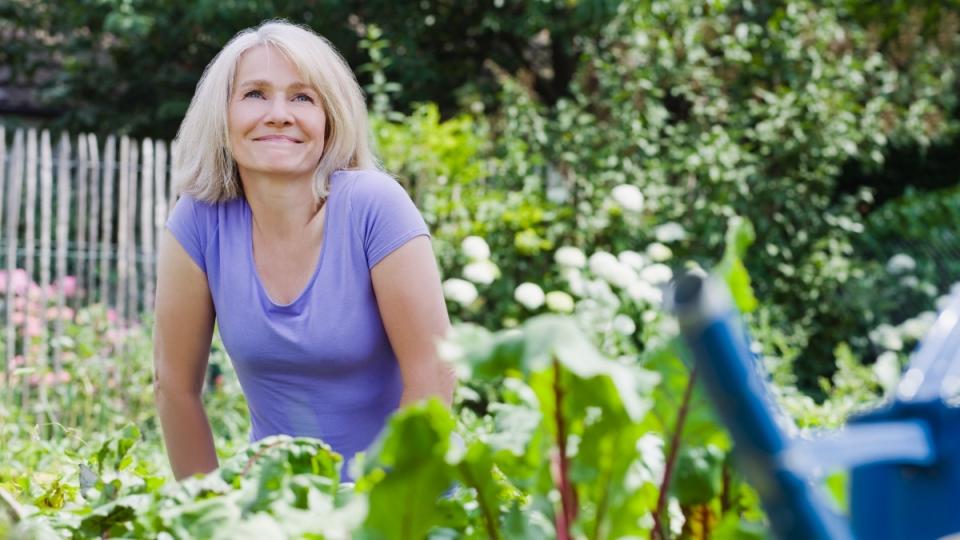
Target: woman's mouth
277,138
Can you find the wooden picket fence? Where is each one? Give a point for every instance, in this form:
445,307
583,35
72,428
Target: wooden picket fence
80,221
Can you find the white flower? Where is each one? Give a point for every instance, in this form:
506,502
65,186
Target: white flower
601,262
559,302
918,326
460,291
670,232
482,272
650,448
600,291
624,325
641,291
620,275
632,259
628,197
910,282
887,370
677,517
901,263
656,274
475,248
575,281
606,266
530,295
659,252
887,337
570,257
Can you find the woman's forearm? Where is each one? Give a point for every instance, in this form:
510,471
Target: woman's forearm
186,433
439,382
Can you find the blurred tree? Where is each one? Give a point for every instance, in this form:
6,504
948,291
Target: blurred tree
132,65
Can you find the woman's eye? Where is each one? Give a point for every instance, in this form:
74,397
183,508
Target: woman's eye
303,97
253,93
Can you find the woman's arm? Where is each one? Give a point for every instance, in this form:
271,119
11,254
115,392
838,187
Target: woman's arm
181,348
409,295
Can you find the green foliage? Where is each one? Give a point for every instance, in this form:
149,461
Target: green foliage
169,42
699,475
921,225
414,450
674,135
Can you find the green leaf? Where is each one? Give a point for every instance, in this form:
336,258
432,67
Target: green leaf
552,336
740,235
733,528
476,470
529,523
514,427
408,472
698,475
119,513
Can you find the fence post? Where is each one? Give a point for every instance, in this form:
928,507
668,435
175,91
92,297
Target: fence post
46,248
106,229
80,267
63,233
146,224
13,222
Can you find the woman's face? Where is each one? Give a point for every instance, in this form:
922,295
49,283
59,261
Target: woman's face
275,120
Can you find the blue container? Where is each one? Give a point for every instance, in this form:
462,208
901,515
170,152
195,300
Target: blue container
904,459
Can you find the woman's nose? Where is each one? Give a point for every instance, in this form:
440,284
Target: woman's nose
279,113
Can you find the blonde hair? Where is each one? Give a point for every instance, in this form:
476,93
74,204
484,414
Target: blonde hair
203,165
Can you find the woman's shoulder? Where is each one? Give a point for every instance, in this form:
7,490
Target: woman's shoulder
207,215
362,178
366,187
201,205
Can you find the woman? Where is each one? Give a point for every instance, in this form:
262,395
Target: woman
316,266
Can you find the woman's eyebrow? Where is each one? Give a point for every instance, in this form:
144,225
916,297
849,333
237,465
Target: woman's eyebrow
260,83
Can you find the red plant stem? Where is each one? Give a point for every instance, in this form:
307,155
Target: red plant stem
705,520
725,503
562,470
658,530
253,459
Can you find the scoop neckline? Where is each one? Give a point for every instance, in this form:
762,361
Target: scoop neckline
316,271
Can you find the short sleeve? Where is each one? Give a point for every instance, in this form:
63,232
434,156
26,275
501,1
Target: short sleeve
187,227
384,215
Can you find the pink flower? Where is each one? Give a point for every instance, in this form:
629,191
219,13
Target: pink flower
19,281
18,317
56,377
34,291
111,315
34,327
64,313
17,361
69,286
50,378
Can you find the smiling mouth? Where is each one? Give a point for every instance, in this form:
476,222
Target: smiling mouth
277,138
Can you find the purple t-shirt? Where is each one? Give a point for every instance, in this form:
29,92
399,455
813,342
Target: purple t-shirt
321,366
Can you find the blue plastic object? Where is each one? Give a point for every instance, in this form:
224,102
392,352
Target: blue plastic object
904,459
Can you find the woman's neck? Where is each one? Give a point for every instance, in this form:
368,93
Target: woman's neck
282,208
